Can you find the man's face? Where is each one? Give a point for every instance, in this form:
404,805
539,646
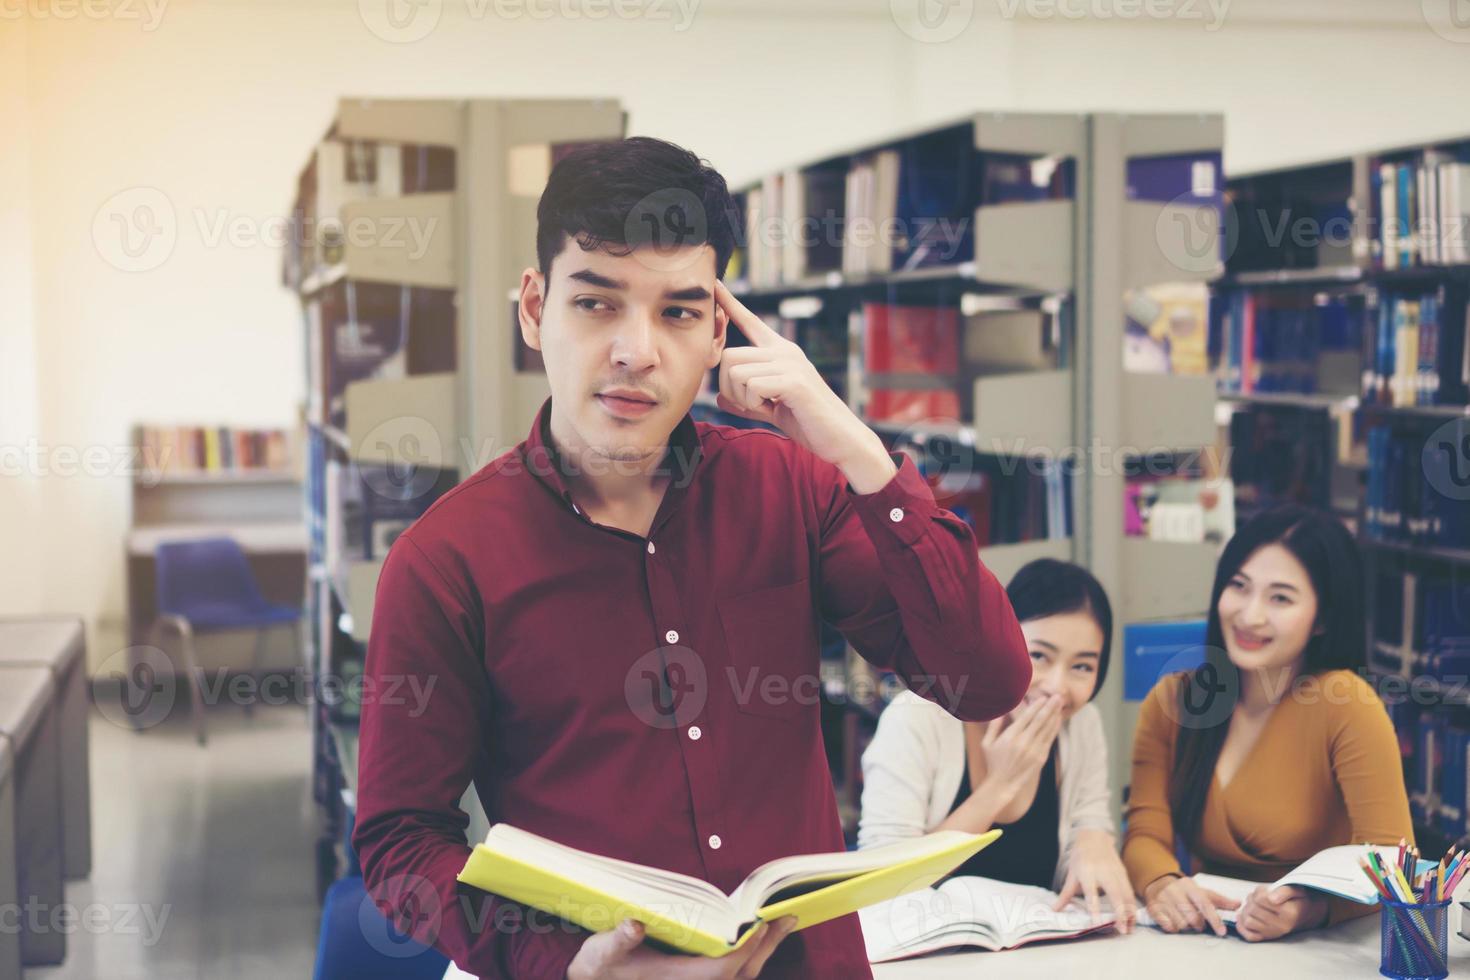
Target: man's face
626,340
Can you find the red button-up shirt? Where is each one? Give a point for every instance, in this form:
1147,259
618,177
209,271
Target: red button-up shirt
652,698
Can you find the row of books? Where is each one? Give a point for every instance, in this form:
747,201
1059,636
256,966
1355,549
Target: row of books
1275,343
1422,209
1413,487
195,449
1003,502
912,204
1420,354
1438,750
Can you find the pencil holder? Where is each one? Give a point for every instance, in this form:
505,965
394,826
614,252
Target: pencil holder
1415,940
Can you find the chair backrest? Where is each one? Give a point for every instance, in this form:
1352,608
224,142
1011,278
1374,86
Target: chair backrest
203,570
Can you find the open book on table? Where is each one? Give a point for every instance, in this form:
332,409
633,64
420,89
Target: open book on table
972,912
1333,871
694,916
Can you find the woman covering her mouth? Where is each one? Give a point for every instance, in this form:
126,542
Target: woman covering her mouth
1273,749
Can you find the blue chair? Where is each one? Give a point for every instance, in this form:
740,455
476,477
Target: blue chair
357,942
205,586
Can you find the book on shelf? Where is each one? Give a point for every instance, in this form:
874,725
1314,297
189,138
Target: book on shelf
900,207
1166,328
1287,341
1419,206
368,330
692,915
1411,479
1281,454
344,171
1419,353
1182,508
911,362
974,913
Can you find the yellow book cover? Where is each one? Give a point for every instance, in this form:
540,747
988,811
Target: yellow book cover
694,916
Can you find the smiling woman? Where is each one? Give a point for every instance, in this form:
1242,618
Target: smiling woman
1273,749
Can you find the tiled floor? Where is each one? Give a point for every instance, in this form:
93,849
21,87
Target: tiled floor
203,857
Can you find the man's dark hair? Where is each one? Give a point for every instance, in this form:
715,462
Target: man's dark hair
619,195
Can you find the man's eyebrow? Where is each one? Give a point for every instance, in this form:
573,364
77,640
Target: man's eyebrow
689,293
596,279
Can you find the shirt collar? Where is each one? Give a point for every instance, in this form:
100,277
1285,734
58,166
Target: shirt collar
551,468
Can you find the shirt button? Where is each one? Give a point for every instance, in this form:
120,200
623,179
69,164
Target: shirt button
694,732
715,842
650,547
896,514
672,636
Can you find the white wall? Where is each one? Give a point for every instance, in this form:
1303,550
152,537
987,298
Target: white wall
21,526
215,105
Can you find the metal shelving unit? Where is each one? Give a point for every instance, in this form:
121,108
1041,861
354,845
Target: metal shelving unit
493,156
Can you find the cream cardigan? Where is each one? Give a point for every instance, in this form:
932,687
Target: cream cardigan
912,771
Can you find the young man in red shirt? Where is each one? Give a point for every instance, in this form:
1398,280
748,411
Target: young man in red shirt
620,616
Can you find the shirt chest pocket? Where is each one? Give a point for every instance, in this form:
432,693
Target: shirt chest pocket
771,638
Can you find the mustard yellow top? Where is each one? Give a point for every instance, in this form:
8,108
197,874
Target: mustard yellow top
1325,770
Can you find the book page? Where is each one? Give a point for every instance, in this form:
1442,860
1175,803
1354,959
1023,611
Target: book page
804,869
970,911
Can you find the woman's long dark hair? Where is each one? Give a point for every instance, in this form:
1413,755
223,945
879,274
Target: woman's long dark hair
1330,556
1047,587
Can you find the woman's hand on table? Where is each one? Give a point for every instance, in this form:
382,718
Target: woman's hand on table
1270,913
1095,870
1179,904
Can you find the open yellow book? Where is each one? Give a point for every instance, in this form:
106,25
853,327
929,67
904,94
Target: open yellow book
694,916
